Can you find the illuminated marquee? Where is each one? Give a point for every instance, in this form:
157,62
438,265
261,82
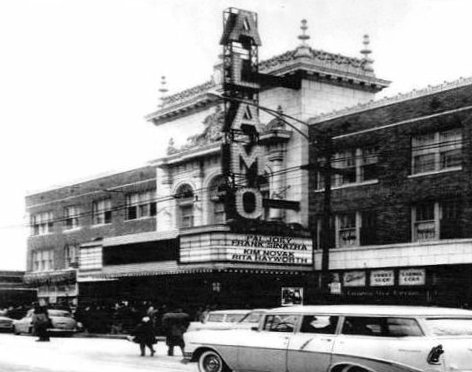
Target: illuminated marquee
242,156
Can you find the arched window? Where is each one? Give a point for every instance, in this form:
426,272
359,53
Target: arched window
185,200
216,203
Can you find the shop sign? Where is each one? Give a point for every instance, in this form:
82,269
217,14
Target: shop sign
380,278
412,277
334,288
270,249
292,296
354,279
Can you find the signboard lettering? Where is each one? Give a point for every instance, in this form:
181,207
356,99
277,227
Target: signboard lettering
354,279
270,249
379,278
412,277
243,159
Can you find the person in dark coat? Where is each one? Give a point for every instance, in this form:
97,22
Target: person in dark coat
41,323
144,336
175,325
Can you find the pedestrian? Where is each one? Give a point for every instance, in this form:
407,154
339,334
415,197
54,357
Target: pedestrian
41,322
175,325
144,336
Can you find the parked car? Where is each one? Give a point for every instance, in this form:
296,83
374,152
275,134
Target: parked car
340,338
62,323
227,319
6,324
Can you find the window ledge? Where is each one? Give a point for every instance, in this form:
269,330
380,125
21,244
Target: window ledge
140,218
37,235
101,225
452,169
74,229
365,183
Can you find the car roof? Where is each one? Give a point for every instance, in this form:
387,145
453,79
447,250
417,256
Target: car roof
374,310
233,311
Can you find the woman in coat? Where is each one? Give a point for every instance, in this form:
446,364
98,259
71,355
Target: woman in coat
144,336
41,323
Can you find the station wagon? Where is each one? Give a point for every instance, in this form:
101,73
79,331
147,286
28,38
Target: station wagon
341,338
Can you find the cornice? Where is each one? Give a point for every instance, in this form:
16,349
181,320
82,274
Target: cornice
400,97
318,64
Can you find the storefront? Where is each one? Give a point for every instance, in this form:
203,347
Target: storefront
435,285
204,266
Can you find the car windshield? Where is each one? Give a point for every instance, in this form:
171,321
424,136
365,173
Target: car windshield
61,313
253,317
450,326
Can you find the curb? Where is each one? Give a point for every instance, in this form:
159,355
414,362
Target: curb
108,336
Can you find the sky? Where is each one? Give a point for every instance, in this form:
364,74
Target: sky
77,77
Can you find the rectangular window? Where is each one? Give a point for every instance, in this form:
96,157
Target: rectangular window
42,223
219,215
346,227
381,327
71,255
346,161
280,323
140,205
424,222
324,324
101,211
354,166
368,166
43,260
437,220
187,215
354,229
436,151
71,217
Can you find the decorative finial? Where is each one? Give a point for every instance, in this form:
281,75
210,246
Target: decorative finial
163,90
304,37
365,52
303,50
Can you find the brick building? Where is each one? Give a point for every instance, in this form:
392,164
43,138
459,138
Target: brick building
63,218
402,208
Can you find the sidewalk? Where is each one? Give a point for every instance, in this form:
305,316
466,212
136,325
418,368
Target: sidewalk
120,336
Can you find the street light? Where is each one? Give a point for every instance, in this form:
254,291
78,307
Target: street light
325,147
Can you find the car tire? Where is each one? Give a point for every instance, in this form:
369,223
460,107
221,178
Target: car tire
15,331
211,361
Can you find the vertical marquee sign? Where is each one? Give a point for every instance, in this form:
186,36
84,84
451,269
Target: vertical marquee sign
242,157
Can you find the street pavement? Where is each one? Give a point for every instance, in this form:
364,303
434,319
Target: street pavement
24,354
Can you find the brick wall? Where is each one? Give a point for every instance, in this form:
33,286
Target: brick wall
392,197
83,195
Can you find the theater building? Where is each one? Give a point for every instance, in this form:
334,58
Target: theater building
208,247
402,207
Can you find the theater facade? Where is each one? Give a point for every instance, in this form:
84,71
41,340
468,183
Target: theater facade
231,195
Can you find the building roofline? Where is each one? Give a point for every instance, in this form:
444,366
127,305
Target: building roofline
315,62
386,101
85,179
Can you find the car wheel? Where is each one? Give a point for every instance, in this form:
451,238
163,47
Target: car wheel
15,331
210,361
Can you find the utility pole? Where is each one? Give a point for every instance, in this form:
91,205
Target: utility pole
326,170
